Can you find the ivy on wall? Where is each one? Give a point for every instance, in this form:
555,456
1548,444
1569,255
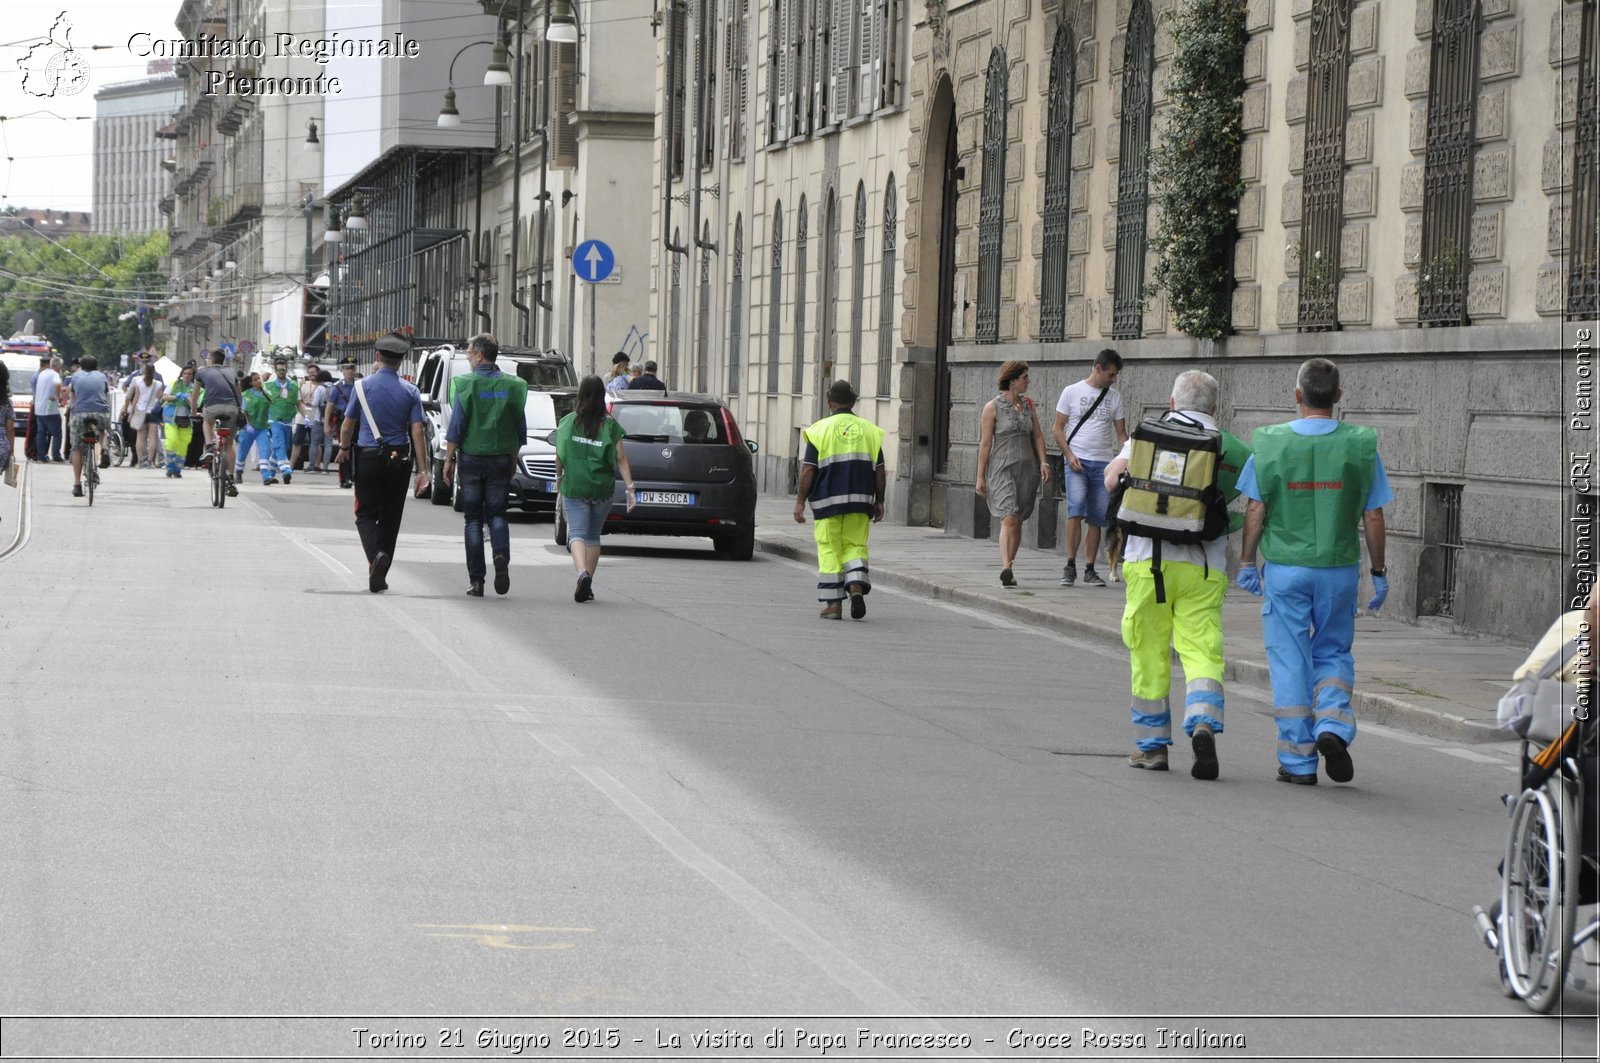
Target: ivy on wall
1194,170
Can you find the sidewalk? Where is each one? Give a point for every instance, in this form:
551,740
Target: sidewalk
1432,682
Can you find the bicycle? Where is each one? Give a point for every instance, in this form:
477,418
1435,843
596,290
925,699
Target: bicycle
221,470
91,459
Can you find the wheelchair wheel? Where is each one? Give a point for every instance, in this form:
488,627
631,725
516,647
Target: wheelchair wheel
1539,894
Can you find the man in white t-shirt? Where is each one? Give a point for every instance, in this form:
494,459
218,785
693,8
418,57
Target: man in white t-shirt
47,411
1091,426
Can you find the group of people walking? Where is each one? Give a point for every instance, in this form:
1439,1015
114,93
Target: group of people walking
1314,486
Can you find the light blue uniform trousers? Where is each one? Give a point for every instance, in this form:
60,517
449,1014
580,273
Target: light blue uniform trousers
1308,620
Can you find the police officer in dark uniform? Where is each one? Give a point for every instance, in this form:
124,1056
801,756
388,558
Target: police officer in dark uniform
343,392
383,420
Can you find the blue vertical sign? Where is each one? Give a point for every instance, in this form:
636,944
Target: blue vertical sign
593,261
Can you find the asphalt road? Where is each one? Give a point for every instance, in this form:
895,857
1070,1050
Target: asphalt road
236,783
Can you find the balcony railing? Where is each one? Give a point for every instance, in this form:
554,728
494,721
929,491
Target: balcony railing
234,110
196,169
194,311
240,209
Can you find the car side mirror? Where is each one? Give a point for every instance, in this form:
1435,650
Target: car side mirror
550,437
752,445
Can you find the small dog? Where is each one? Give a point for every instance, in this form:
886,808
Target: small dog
1114,544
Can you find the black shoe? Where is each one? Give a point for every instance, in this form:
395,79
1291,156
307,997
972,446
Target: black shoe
233,492
1335,757
1091,578
1285,775
105,461
858,606
1069,574
77,490
269,481
1007,579
380,569
584,591
502,573
347,486
288,478
476,590
1204,744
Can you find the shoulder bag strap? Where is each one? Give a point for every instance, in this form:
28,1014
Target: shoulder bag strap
366,411
1089,413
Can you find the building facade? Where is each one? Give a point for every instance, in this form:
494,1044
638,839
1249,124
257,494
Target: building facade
128,177
1418,203
781,161
245,235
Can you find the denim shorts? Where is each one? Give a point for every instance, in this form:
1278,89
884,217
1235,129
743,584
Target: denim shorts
585,518
1086,492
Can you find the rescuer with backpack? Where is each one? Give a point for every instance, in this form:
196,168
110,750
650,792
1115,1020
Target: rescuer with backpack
1173,481
1311,483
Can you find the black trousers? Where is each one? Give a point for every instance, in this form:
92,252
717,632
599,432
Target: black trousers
382,481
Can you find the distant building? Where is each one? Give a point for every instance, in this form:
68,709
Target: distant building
128,179
54,222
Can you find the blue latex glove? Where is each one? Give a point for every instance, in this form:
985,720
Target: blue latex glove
1250,579
1380,592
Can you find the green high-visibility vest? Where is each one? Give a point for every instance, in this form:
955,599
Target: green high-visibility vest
1315,489
490,404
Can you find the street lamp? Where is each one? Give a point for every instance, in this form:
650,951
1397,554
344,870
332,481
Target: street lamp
563,27
356,219
312,143
497,74
334,234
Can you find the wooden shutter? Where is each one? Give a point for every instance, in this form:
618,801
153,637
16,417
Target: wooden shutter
563,134
839,63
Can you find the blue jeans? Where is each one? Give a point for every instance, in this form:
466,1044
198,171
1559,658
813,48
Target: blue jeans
585,518
1086,492
48,442
282,434
483,485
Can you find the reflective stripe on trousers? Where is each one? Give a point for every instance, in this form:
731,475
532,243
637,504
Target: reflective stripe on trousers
1308,621
1190,621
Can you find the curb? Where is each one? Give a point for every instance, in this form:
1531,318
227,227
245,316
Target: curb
1375,708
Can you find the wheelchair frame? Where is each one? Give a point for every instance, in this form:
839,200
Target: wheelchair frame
1535,931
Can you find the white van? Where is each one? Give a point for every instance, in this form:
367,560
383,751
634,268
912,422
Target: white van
438,367
22,367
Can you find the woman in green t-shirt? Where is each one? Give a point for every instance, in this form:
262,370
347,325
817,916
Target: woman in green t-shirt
588,457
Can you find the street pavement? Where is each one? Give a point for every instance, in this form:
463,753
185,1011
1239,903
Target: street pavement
236,783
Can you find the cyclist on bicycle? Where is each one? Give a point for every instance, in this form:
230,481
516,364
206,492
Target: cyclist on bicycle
219,404
91,405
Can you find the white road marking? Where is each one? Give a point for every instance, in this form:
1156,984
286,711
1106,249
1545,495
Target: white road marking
556,744
878,998
1472,755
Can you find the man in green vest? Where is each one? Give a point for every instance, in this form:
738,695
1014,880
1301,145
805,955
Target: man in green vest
1181,607
283,402
1311,483
488,426
842,475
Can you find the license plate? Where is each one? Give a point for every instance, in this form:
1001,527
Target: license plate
550,486
665,498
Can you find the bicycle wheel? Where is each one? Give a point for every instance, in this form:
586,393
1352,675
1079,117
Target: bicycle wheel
1538,891
217,494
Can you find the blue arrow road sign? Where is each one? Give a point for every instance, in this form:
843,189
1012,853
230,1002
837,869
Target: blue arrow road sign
593,261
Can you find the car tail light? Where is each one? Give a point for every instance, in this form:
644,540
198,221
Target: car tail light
734,438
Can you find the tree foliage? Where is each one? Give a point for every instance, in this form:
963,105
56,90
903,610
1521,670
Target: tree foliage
1194,170
81,285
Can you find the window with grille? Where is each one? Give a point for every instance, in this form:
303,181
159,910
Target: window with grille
991,199
798,380
1133,173
858,286
1442,550
736,306
775,302
702,346
1583,263
1447,175
705,110
1322,187
886,282
1057,186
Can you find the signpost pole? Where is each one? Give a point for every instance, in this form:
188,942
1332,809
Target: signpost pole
591,330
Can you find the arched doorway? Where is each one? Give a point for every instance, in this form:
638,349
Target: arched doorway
933,321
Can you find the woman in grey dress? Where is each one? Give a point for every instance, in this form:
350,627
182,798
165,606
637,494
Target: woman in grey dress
1011,461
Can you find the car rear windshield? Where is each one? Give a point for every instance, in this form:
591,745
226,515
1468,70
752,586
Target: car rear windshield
22,381
546,374
671,424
